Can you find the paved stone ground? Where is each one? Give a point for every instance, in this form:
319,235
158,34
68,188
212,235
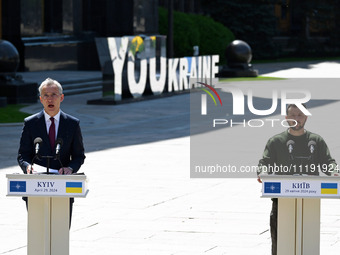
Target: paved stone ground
142,200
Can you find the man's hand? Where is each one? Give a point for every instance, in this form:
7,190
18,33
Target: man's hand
65,170
259,179
29,169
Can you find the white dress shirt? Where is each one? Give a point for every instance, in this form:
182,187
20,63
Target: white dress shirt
49,122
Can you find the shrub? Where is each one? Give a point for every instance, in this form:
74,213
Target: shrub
214,37
185,34
192,29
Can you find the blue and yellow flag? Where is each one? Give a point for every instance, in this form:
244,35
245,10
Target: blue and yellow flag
74,187
329,188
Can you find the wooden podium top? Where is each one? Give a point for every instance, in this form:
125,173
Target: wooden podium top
300,186
46,185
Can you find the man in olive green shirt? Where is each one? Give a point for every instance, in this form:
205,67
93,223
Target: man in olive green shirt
294,151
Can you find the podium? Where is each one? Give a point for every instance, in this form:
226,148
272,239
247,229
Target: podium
298,231
48,208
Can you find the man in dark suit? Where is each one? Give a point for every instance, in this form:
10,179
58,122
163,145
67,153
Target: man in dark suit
51,125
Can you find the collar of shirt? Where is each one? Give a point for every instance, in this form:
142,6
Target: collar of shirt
49,122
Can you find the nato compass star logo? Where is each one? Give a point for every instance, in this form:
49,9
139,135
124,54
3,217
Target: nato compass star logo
272,187
17,186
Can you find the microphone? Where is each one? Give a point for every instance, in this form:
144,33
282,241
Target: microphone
58,143
311,146
290,145
37,142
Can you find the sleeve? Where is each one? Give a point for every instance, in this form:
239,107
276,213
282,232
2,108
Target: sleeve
327,164
77,152
268,158
25,153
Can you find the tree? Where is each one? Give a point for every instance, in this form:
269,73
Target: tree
252,21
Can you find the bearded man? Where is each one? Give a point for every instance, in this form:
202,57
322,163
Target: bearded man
298,150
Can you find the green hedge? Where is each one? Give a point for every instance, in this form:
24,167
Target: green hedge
190,29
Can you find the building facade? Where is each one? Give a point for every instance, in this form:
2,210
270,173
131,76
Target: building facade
59,34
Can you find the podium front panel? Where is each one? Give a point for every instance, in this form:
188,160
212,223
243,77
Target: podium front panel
46,185
290,186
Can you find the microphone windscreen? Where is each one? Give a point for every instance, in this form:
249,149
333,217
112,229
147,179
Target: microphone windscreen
59,141
290,142
311,143
37,140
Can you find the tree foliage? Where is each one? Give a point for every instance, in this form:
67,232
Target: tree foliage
314,25
251,21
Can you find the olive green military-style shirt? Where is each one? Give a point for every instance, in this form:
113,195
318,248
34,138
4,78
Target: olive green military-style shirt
286,154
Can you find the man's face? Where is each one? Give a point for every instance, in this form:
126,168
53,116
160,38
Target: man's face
294,113
51,99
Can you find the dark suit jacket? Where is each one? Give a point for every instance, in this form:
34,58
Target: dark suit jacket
71,152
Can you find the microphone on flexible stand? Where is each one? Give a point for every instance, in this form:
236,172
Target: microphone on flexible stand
37,143
290,145
311,146
58,145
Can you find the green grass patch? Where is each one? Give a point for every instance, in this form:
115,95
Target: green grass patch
258,78
11,113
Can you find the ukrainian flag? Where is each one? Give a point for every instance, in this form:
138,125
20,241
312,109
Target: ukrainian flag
74,187
329,188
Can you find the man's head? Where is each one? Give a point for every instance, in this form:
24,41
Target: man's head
51,95
294,113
